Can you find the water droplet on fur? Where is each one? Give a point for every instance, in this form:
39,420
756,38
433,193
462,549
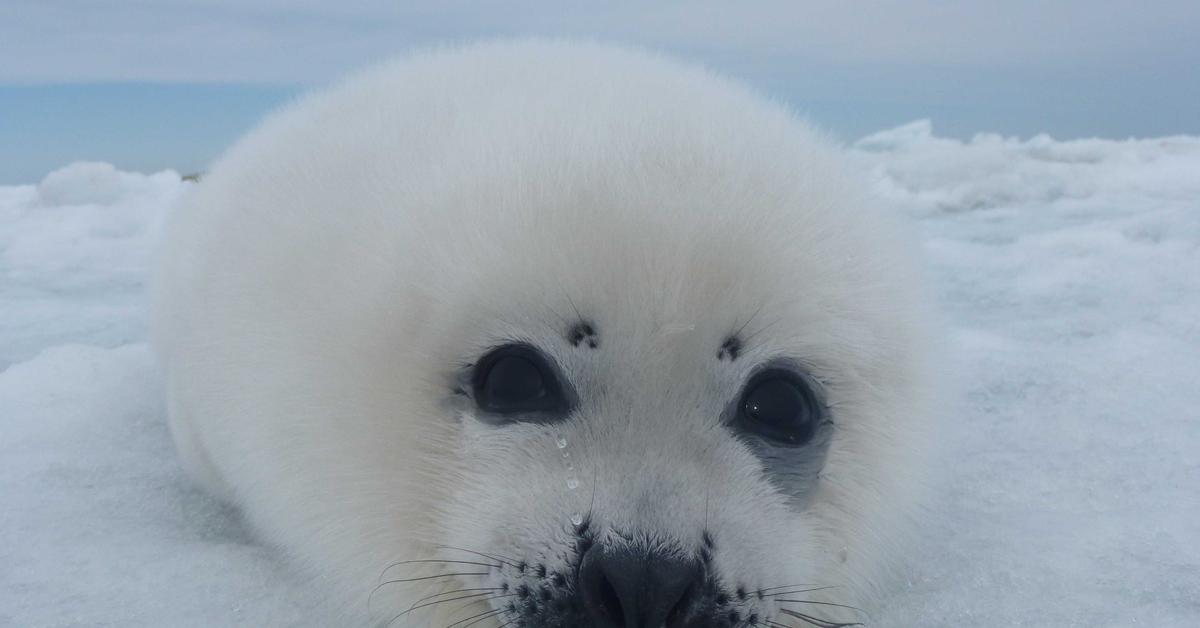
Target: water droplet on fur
561,442
570,467
566,454
577,519
572,482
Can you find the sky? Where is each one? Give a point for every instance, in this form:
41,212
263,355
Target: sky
151,84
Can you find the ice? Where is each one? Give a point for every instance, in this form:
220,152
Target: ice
99,526
81,183
1068,272
1070,275
73,259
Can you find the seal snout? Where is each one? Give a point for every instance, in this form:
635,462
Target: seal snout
636,588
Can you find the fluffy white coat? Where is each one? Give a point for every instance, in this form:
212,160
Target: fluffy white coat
326,283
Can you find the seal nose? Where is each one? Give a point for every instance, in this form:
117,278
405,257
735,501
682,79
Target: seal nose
636,588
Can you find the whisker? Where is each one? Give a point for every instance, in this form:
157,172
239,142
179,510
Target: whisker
435,603
753,316
817,621
707,490
433,561
486,599
444,575
500,612
371,595
578,316
795,591
430,597
480,616
592,505
511,562
853,608
754,334
786,586
489,597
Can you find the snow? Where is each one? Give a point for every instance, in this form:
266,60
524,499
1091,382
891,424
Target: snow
1069,274
73,257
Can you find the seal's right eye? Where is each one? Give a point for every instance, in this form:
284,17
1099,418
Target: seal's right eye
517,383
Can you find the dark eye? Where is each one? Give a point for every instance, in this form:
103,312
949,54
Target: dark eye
780,406
518,383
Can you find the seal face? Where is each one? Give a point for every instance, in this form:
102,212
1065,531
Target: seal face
543,335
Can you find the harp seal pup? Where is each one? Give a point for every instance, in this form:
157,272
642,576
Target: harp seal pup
548,334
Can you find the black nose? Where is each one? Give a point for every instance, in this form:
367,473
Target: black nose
636,588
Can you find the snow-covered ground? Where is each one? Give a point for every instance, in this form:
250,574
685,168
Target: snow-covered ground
1069,273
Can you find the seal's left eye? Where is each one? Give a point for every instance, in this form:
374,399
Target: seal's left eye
517,383
780,406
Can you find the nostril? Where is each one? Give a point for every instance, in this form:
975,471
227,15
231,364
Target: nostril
679,612
600,595
609,603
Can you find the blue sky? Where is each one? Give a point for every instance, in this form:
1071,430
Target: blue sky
150,84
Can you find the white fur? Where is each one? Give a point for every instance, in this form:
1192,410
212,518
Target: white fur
327,280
